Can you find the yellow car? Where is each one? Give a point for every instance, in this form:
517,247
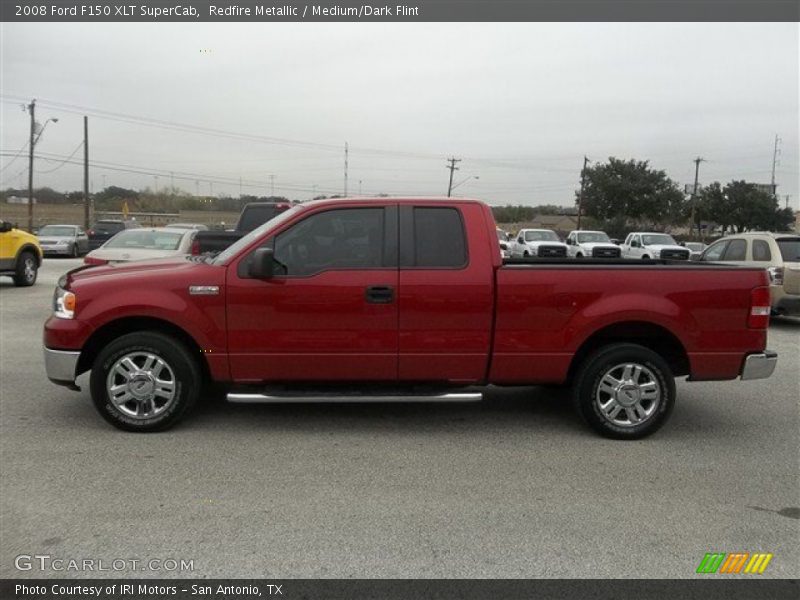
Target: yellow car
20,254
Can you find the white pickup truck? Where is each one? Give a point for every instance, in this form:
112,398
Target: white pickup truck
591,244
543,243
646,245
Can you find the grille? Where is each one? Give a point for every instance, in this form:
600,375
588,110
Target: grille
675,254
551,252
606,253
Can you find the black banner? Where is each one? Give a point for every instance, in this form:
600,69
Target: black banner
736,588
404,11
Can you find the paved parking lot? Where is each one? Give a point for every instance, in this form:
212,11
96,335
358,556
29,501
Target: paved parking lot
514,486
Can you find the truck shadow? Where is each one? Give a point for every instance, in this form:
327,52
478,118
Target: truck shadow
543,409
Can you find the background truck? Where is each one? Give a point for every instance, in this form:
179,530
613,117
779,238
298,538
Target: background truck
591,244
543,243
646,245
253,215
401,300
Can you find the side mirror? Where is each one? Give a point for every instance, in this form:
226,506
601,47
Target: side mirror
263,265
5,226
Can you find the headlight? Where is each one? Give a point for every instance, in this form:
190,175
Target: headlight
64,303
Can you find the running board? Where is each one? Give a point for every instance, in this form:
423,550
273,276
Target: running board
241,398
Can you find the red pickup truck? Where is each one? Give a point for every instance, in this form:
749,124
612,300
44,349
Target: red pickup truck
382,299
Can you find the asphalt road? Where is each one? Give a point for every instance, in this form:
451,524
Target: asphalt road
515,486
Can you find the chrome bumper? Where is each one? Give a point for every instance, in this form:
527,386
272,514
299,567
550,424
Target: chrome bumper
60,366
759,366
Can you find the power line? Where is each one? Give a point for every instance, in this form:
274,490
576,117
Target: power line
62,163
16,156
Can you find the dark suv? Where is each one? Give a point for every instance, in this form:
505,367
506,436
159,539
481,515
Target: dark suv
105,229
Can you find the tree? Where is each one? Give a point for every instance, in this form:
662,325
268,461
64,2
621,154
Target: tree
742,206
633,191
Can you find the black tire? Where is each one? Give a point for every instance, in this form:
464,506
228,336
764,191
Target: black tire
26,270
645,257
579,255
526,254
588,396
184,373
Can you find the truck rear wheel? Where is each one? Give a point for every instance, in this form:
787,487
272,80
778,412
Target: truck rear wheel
625,391
144,382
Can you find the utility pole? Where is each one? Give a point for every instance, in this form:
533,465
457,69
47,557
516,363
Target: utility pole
86,172
171,183
775,162
32,110
787,200
583,185
240,187
346,153
272,185
697,162
452,166
359,187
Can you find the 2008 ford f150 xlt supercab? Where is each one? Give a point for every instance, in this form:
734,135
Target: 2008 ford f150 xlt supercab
401,300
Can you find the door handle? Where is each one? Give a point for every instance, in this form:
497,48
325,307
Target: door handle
380,294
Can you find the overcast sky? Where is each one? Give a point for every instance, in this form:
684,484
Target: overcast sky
519,103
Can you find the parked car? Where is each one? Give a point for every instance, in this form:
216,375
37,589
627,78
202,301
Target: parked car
503,240
20,254
105,229
400,299
647,245
63,240
543,243
254,214
695,248
196,226
779,253
142,244
591,244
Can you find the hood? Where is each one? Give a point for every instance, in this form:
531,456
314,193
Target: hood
661,247
171,265
536,244
24,235
132,254
593,245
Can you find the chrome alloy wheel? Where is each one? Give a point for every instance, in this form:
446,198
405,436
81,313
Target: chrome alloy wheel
628,394
29,269
141,385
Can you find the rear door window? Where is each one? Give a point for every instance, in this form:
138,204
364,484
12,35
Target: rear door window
761,251
439,240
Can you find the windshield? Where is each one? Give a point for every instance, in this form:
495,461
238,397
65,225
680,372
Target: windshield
541,236
245,241
593,237
658,239
142,238
57,231
790,249
108,227
502,235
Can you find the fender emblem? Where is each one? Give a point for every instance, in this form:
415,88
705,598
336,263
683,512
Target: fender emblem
203,290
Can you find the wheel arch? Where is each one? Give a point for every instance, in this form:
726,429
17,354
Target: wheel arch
28,247
122,326
650,335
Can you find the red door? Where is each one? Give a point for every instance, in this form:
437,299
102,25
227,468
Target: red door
330,311
446,293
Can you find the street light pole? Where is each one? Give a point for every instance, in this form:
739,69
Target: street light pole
31,142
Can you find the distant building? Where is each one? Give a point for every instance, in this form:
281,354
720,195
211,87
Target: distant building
18,200
561,224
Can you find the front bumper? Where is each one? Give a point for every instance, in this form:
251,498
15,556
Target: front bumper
60,366
57,250
759,366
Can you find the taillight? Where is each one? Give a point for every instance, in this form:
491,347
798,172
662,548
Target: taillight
91,232
195,248
759,308
90,260
775,275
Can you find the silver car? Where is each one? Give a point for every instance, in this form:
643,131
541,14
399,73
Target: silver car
63,240
143,244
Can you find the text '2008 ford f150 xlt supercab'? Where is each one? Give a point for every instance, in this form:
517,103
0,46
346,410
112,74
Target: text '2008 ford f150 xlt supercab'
401,300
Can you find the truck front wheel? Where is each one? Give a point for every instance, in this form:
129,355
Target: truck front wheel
625,391
144,382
